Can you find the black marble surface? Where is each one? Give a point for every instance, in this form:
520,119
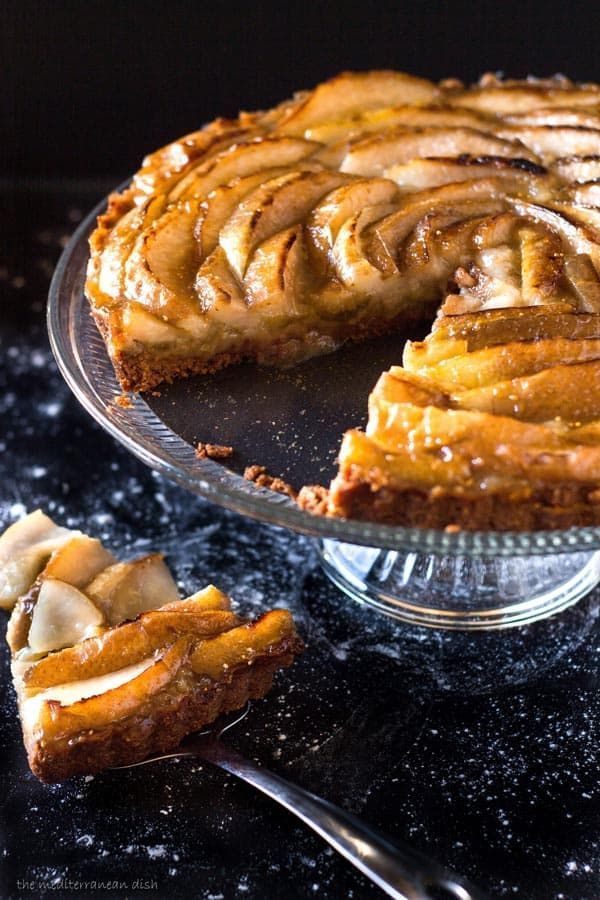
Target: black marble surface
481,749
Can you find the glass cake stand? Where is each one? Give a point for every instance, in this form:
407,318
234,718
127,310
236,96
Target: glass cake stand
292,421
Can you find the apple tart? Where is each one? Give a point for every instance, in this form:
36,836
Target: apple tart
109,664
372,201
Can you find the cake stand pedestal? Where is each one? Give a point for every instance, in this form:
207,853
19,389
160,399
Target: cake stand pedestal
460,592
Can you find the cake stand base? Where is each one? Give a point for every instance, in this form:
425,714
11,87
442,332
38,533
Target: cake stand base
460,592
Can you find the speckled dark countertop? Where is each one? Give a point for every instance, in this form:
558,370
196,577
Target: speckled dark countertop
480,749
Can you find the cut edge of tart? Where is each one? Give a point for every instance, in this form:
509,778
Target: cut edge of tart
110,665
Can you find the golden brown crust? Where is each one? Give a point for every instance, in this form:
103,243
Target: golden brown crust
213,451
354,496
259,476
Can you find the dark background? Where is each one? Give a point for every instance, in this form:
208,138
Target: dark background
89,87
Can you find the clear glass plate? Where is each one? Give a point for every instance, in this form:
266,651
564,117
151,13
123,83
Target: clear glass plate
404,563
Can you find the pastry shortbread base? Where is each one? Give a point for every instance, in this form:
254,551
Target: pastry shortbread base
356,494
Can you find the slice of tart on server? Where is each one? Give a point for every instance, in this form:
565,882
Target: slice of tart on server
109,664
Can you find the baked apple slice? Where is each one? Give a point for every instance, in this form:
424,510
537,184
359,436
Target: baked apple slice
567,392
505,98
272,208
240,160
578,168
521,175
344,130
124,590
551,142
374,155
220,205
354,92
511,360
25,547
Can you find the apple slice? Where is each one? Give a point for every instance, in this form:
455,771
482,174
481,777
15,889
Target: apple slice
276,277
217,657
421,174
124,590
78,560
240,160
459,334
583,277
170,248
219,290
330,214
469,200
138,324
558,115
273,207
508,99
579,235
542,264
109,706
163,169
513,360
373,155
127,644
388,117
222,203
207,598
349,255
551,142
586,194
62,616
118,244
353,92
578,168
567,392
24,549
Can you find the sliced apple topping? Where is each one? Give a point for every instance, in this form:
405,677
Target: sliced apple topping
62,616
373,155
24,549
220,205
584,278
272,208
578,168
422,174
343,130
240,160
126,645
329,215
350,258
78,560
507,99
275,278
124,590
353,92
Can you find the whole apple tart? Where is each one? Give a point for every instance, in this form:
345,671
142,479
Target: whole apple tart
375,200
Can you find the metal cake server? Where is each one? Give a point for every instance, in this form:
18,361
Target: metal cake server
400,871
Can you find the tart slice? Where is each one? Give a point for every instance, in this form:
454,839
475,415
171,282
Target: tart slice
109,665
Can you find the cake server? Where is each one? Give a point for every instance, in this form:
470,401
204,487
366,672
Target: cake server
400,871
